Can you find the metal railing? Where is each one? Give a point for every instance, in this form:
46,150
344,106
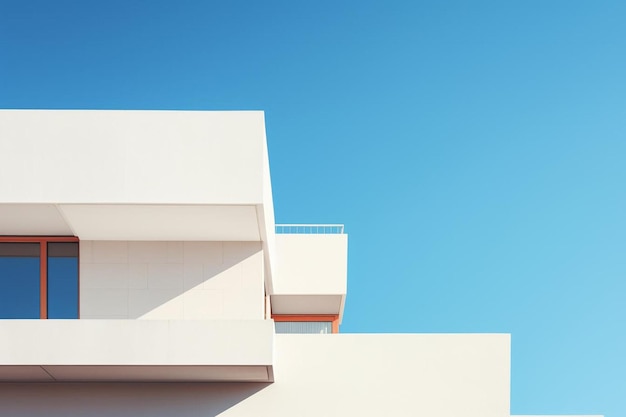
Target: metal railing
309,229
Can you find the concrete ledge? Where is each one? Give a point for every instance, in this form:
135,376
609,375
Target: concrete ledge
136,350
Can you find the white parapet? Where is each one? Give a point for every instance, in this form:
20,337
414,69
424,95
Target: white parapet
136,350
435,375
311,273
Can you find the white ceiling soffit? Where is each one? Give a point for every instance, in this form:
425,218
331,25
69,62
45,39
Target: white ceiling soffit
135,373
306,304
162,222
32,220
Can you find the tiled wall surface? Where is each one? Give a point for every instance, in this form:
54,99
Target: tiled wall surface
171,280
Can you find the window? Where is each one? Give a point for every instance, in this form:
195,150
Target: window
312,324
38,277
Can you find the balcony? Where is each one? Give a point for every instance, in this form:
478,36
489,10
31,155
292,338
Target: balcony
311,269
136,350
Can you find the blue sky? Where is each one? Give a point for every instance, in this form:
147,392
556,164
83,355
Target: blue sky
474,150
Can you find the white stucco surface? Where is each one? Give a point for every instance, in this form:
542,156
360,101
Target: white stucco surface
151,157
311,264
136,350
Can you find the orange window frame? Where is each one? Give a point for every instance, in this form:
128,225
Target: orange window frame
43,264
333,318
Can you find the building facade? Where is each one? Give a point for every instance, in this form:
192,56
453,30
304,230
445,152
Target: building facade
141,273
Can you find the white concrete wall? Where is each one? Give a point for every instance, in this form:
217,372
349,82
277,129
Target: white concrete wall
315,375
265,214
162,342
171,280
311,264
126,157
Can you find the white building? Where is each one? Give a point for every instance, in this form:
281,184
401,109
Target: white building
139,247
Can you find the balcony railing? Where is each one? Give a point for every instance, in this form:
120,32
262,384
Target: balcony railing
309,229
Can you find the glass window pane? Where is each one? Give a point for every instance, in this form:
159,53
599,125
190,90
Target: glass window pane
19,280
63,280
312,327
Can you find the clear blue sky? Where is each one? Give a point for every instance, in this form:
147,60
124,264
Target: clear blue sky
476,151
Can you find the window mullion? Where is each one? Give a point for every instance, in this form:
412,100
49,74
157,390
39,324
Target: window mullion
43,279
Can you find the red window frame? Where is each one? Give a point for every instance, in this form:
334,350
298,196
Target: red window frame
333,318
43,264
